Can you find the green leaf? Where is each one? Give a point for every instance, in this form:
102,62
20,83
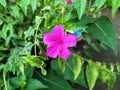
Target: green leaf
3,32
15,11
9,87
67,16
1,82
61,64
118,68
1,21
34,84
103,30
115,6
77,65
33,5
87,38
46,8
85,21
91,75
94,46
103,73
69,74
18,81
55,82
29,32
2,48
99,3
15,82
29,72
111,80
43,72
80,7
42,52
38,20
81,78
34,61
3,3
24,5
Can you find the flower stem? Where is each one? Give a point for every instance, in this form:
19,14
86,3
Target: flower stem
4,78
35,43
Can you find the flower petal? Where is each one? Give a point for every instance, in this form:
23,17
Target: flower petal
48,39
69,40
69,1
52,51
58,31
65,53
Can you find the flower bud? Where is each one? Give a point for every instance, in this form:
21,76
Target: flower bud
69,1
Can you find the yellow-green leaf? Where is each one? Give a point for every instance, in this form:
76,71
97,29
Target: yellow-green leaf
111,80
61,64
34,61
115,6
92,75
77,65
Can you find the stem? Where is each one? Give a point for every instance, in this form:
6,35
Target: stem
89,5
4,78
35,43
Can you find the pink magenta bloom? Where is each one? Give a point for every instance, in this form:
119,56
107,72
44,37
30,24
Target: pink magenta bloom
69,1
58,42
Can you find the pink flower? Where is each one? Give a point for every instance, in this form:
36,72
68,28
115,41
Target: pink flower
58,42
69,1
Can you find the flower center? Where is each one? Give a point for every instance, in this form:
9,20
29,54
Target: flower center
60,41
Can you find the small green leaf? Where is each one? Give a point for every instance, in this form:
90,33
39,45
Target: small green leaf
2,48
77,65
80,7
24,5
43,71
67,16
99,3
87,38
61,64
111,80
29,72
33,5
103,73
118,68
34,84
38,20
3,32
29,32
34,61
94,46
92,75
115,6
1,21
46,8
3,3
42,52
15,11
